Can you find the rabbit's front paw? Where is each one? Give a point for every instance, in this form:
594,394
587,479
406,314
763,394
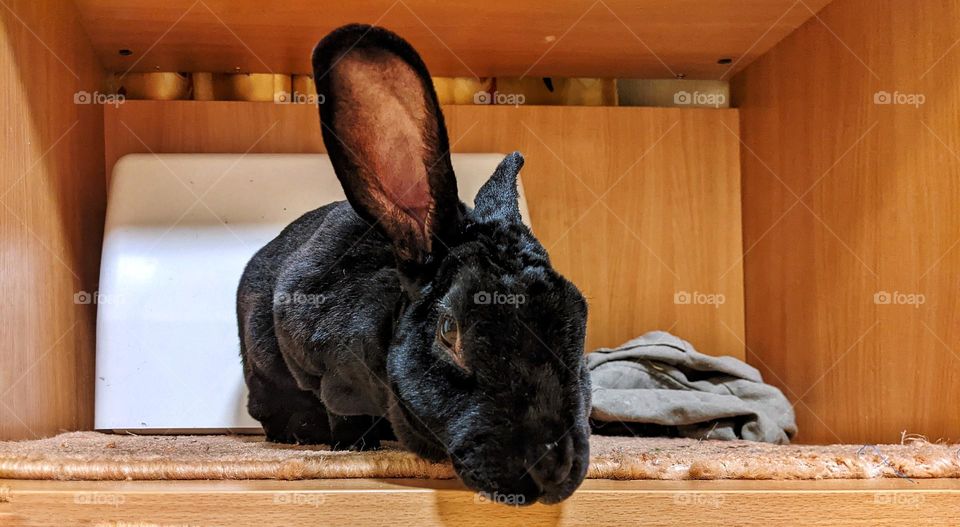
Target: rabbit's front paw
303,428
355,432
358,445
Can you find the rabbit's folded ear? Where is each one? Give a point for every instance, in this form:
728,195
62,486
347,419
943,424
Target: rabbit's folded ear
385,135
498,199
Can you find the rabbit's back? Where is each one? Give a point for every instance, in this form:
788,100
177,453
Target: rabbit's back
259,276
315,309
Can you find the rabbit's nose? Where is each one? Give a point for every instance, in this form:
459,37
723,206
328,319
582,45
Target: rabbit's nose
552,462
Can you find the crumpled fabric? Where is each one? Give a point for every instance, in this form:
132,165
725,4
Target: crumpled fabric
661,382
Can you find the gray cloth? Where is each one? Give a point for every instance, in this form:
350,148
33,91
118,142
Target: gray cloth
662,380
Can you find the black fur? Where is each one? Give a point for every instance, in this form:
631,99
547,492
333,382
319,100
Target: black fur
338,322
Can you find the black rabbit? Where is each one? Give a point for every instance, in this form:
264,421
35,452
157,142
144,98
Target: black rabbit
402,311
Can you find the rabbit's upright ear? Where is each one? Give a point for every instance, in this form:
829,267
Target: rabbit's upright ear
386,137
498,198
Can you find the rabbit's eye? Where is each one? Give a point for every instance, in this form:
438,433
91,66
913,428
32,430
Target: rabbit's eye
448,331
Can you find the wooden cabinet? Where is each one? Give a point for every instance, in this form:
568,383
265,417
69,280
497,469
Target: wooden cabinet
823,206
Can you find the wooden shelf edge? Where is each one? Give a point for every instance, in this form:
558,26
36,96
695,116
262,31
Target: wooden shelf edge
433,502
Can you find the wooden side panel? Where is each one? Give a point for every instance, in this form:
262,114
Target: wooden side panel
851,203
51,218
638,206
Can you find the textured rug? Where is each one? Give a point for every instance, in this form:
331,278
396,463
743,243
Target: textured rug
96,456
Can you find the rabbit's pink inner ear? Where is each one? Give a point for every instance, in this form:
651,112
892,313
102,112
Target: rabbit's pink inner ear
381,121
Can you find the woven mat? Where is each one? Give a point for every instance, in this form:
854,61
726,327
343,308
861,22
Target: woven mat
96,456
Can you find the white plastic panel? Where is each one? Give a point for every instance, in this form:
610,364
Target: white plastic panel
180,228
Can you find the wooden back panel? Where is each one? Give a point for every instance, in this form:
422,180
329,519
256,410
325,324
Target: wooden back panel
640,207
852,220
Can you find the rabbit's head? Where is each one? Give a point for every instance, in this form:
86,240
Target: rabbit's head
486,366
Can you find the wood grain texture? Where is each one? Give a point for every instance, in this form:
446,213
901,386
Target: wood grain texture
572,38
51,218
635,205
850,207
418,502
